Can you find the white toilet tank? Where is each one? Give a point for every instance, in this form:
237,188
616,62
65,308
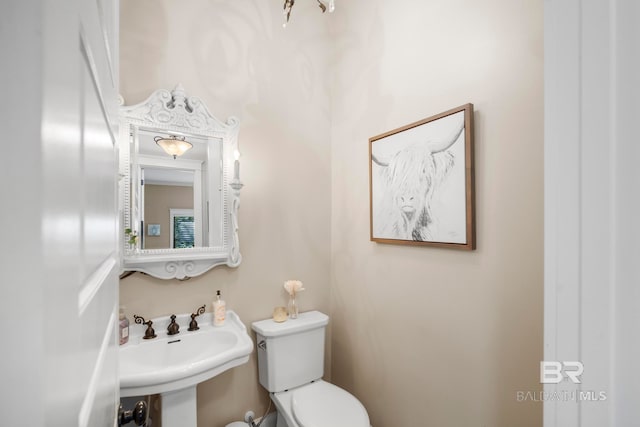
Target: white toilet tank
291,353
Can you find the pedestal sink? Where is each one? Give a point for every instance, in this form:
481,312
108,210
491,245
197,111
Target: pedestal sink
173,365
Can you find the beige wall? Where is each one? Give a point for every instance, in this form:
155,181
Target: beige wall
421,335
427,336
158,200
238,59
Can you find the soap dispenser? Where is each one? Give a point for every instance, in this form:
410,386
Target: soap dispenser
124,327
219,310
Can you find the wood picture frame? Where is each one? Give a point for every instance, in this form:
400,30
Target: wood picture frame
421,182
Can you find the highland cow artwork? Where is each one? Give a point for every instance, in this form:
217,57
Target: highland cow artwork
421,182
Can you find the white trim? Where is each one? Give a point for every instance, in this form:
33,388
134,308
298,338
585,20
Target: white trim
169,163
94,282
86,408
85,48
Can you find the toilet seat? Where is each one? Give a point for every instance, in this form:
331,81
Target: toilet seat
322,404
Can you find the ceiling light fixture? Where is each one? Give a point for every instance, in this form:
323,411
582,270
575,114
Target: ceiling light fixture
288,6
173,145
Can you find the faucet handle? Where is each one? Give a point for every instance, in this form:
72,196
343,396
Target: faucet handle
193,325
149,333
173,327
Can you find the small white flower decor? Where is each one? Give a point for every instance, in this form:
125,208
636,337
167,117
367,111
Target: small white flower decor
293,287
133,238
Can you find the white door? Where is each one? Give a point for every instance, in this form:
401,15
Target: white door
59,252
592,268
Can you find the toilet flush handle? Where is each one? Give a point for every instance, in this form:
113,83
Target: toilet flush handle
262,345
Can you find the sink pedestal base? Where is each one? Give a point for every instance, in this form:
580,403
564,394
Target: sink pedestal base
179,408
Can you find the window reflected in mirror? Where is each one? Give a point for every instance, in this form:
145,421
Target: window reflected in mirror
182,228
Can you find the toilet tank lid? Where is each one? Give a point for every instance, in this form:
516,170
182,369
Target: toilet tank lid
305,321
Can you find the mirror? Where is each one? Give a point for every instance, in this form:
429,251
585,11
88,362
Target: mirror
179,188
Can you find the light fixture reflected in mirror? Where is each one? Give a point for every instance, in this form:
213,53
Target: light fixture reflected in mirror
173,145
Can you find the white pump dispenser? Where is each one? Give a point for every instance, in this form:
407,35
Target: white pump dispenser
219,310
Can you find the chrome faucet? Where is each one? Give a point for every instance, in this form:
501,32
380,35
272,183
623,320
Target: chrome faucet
173,327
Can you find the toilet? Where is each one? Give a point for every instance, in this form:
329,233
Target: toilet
291,365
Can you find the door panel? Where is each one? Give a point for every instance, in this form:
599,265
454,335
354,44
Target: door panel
98,143
98,294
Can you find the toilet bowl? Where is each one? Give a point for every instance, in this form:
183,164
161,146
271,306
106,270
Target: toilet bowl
319,404
291,366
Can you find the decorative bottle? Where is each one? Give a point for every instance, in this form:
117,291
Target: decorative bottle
293,287
292,307
219,310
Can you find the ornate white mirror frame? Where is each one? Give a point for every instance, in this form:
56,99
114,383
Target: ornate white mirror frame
173,113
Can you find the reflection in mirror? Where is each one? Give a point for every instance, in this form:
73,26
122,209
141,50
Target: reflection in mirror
180,188
164,192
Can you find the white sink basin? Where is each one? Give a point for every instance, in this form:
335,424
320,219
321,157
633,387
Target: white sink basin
169,363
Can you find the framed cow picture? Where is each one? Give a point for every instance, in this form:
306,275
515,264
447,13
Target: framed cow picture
421,182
